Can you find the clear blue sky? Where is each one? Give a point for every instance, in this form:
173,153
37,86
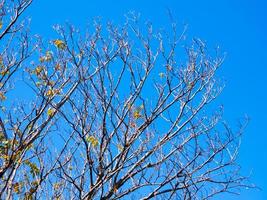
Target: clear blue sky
238,27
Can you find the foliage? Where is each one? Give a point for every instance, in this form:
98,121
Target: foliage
112,113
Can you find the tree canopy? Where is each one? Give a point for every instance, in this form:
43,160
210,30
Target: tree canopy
118,111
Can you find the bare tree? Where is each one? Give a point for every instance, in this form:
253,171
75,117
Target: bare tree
114,113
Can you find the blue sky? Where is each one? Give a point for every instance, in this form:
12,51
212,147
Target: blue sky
238,27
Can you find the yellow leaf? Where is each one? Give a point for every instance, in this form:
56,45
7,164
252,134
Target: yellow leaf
50,112
16,188
47,57
5,142
38,70
6,157
91,139
42,59
35,183
29,147
50,93
28,195
51,83
1,24
4,72
137,114
33,167
59,44
56,186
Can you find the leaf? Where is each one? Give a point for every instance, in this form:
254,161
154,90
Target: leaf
51,83
34,170
1,62
38,70
91,139
29,147
137,114
6,157
35,183
4,72
50,112
5,142
57,185
2,96
42,59
48,56
57,67
120,147
16,188
38,83
28,196
1,24
59,44
50,93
